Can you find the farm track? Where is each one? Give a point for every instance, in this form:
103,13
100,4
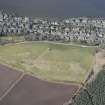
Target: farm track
55,43
12,86
67,44
41,55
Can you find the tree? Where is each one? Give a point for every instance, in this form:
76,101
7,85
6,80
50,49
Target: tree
93,93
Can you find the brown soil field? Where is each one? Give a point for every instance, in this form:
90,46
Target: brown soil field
7,78
33,91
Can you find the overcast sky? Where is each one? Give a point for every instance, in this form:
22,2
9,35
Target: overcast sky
55,7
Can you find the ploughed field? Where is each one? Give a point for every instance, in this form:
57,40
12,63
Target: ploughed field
17,88
48,61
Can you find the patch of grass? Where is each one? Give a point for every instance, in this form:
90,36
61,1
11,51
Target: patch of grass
12,38
49,61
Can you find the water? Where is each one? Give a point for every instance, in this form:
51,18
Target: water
55,8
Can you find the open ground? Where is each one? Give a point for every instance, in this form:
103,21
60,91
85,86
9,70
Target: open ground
49,61
19,89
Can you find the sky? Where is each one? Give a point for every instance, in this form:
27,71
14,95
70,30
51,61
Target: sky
55,8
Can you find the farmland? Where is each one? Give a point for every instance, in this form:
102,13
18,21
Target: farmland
49,61
17,88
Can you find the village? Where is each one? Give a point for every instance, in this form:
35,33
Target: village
86,30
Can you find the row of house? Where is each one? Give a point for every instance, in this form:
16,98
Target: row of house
82,29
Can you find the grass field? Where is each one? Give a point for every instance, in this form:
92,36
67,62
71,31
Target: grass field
12,38
49,61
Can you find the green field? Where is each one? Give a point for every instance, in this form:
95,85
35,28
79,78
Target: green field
49,61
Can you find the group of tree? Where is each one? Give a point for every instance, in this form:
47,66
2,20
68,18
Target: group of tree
93,93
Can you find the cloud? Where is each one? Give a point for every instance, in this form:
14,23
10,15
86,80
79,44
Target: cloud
55,7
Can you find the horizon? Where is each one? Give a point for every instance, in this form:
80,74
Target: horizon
53,8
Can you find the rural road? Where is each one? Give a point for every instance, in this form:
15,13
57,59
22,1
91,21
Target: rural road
58,43
20,89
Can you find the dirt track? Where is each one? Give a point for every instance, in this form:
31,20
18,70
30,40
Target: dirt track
7,78
32,91
99,60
